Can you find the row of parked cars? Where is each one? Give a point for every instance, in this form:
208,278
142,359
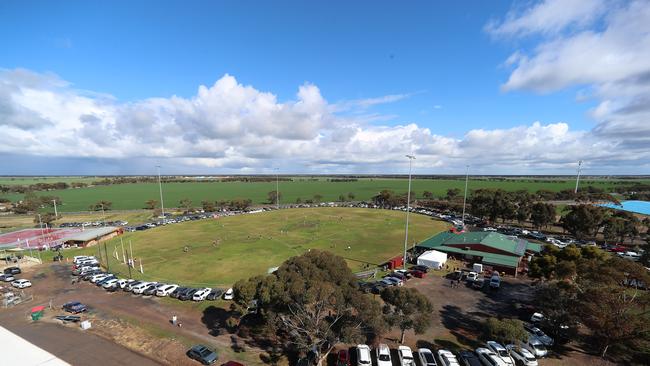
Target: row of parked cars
8,275
492,354
87,268
394,278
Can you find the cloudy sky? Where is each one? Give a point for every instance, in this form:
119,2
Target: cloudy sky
528,87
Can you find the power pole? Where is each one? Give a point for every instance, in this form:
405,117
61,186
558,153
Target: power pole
408,207
465,196
578,177
56,214
107,257
162,203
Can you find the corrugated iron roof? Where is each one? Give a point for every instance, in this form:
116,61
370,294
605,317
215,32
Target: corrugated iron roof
90,234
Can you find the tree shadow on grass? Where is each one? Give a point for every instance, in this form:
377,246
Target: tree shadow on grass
462,325
214,318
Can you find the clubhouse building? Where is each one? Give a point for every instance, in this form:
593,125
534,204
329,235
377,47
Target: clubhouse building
497,251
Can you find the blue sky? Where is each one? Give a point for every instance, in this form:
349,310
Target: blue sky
440,67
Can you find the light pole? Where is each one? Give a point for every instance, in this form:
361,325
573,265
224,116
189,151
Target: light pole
578,177
277,188
408,207
103,214
162,204
465,197
56,214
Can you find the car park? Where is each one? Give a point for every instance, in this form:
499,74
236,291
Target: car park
426,357
405,356
166,290
489,358
447,358
74,307
500,351
202,354
469,358
201,294
214,294
521,355
539,334
22,283
12,271
342,358
383,355
363,355
229,294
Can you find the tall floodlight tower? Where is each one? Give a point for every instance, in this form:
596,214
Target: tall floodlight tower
578,176
408,207
465,196
162,204
277,188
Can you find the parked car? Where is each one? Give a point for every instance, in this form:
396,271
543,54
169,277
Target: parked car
166,290
405,356
539,334
129,286
12,270
98,277
394,281
105,279
469,358
177,292
478,284
495,282
188,294
7,278
420,268
215,294
343,358
426,357
472,276
489,358
203,354
447,358
150,290
418,274
229,294
201,294
22,283
536,347
110,282
521,355
363,355
383,355
501,351
139,288
112,288
74,307
537,317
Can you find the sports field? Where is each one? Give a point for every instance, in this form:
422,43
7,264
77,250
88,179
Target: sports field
133,196
222,251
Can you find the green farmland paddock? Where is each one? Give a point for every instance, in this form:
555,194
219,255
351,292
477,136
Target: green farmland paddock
218,252
133,196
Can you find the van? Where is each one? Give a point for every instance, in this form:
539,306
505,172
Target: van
495,282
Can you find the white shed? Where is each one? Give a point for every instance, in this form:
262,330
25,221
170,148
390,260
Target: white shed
432,259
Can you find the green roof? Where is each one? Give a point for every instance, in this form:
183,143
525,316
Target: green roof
516,247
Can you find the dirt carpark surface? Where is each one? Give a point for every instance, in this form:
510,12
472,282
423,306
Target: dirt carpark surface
126,326
142,323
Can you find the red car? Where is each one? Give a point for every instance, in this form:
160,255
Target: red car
618,249
343,358
418,274
232,363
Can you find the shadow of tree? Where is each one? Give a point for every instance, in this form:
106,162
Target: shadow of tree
464,326
214,318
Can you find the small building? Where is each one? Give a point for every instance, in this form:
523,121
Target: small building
503,253
92,236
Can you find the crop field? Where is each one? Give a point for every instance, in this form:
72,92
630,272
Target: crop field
133,196
133,217
221,251
34,180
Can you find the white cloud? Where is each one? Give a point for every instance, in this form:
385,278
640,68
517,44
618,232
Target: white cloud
548,17
606,52
234,127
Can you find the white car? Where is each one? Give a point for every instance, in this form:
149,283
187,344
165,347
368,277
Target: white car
229,294
166,290
536,347
491,229
488,357
109,283
521,355
7,278
139,288
472,276
426,357
201,294
539,334
383,355
363,355
405,356
447,358
501,351
537,317
22,283
633,256
98,277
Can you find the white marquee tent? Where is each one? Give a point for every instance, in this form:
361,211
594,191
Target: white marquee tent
432,259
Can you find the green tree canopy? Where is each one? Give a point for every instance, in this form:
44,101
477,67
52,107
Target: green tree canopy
406,308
